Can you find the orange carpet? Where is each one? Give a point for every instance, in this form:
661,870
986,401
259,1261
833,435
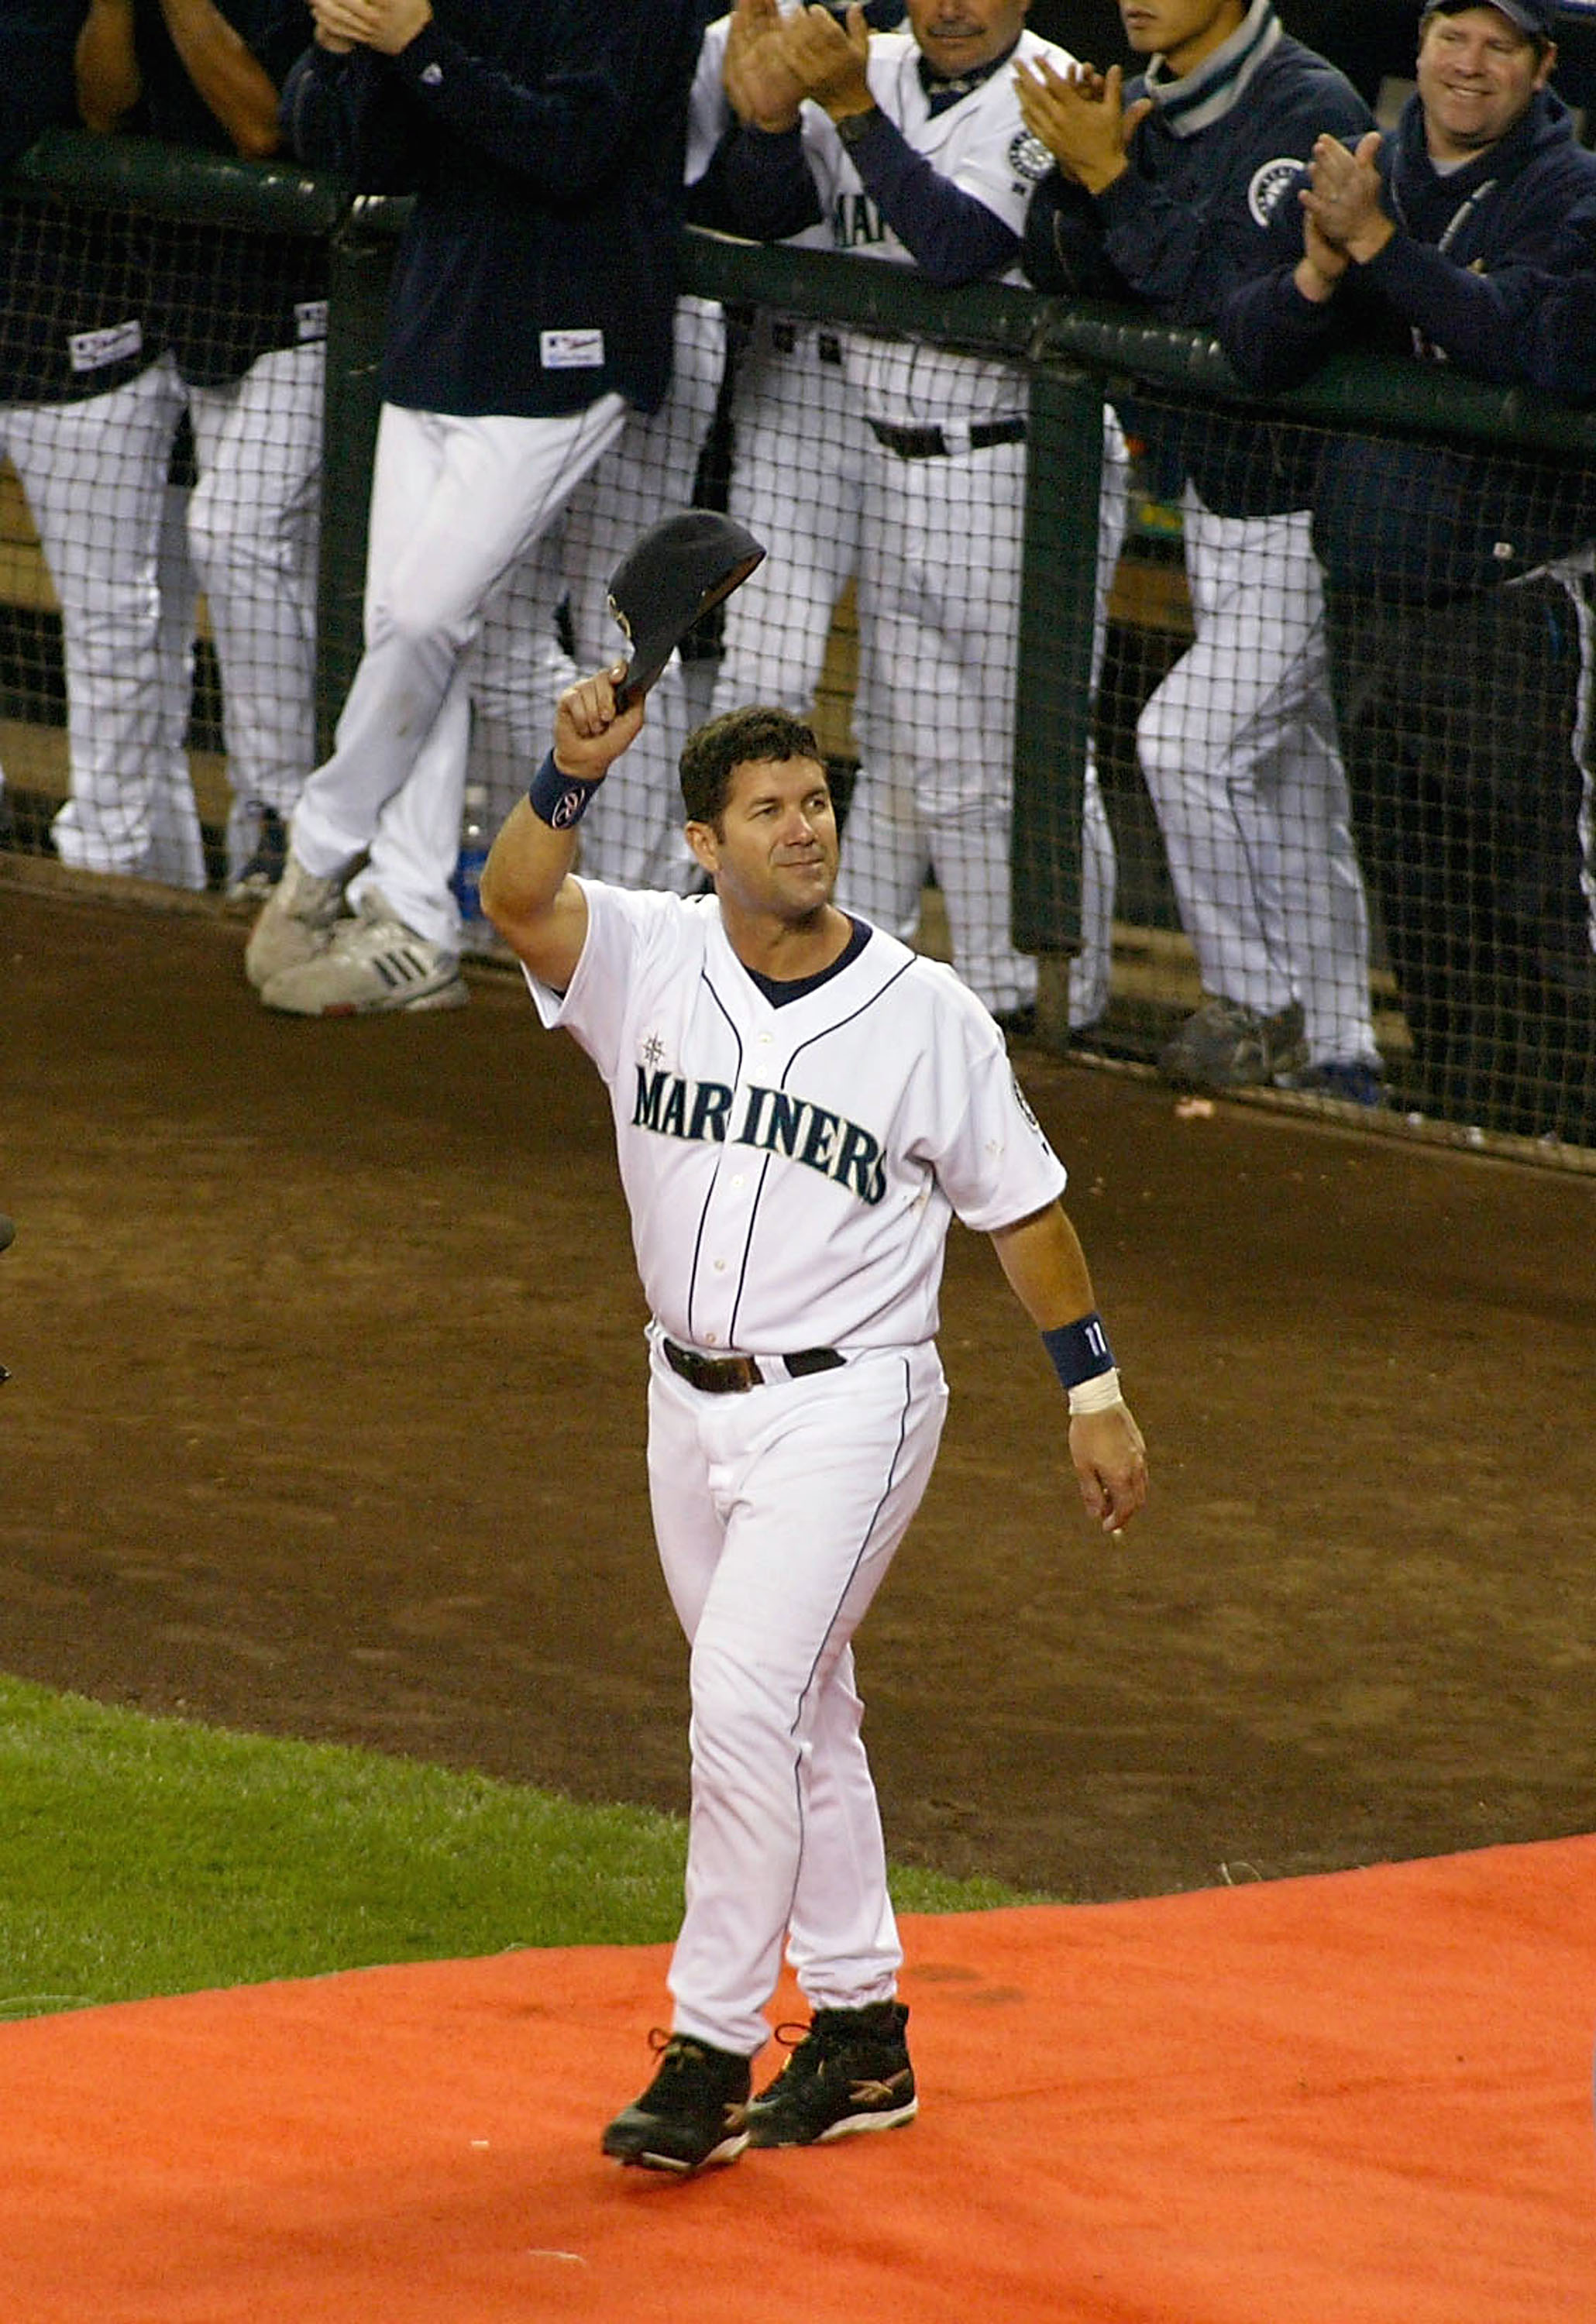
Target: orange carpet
1365,2099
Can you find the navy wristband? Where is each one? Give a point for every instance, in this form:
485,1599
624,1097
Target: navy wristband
560,799
1080,1352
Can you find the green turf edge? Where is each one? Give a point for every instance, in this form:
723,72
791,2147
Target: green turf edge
144,1856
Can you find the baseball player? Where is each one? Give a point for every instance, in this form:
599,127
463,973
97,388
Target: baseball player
801,1106
76,357
800,451
1164,188
531,307
909,146
238,326
652,469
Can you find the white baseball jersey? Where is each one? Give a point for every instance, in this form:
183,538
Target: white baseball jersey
791,1171
982,145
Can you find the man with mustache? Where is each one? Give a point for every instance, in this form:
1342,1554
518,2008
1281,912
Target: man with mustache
1164,190
908,147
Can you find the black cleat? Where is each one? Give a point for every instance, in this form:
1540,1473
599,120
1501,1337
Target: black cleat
850,2072
693,2113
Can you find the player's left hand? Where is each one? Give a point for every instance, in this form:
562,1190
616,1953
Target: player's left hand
1343,196
1110,1463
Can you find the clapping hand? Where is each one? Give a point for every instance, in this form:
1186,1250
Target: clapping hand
763,90
1082,118
1342,199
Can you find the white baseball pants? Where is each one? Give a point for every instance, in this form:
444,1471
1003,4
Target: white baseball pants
938,602
455,503
799,454
778,1513
95,475
112,533
253,527
1238,749
632,834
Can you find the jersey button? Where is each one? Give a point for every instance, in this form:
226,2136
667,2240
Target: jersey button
712,1339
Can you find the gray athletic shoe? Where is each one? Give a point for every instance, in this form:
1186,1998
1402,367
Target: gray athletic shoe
1225,1045
295,925
369,963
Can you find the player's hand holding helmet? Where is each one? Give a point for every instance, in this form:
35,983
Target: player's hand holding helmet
590,731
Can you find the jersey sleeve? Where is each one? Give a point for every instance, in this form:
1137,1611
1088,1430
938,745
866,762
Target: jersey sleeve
989,1153
626,930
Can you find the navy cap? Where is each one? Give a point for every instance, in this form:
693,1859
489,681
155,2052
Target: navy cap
670,576
1536,17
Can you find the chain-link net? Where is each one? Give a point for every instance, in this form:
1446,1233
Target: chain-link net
1270,737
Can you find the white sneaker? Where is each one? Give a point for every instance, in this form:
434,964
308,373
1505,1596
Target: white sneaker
369,963
295,925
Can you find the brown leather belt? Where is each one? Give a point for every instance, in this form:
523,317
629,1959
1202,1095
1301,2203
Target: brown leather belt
938,443
732,1375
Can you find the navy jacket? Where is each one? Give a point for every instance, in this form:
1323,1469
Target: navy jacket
1188,223
545,143
1462,281
71,313
221,295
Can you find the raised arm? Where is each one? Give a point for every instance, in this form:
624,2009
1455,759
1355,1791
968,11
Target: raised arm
109,83
527,890
233,82
1046,1269
953,235
569,131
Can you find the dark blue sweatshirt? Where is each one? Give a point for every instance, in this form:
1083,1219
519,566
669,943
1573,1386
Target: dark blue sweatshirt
1460,281
544,141
1189,222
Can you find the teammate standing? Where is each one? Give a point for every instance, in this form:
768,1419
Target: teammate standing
76,350
1164,188
910,147
801,1106
531,308
1462,634
239,318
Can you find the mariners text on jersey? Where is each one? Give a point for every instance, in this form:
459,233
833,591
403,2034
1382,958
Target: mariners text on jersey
772,1120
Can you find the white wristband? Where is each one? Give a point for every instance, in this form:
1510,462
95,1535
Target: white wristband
1095,1395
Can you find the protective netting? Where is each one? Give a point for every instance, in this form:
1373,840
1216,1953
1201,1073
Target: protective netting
1326,823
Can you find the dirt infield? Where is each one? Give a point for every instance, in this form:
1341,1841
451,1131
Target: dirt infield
327,1414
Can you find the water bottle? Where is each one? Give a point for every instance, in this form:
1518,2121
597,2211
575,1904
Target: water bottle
476,933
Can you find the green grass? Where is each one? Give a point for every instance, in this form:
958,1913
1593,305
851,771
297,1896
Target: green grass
142,1856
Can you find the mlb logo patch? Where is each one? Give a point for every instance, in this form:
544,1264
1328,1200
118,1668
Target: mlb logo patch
93,350
571,350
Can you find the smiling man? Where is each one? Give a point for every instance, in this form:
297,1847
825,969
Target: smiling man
802,1106
1458,576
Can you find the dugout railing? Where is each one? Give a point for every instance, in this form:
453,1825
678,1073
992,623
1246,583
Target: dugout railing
1078,358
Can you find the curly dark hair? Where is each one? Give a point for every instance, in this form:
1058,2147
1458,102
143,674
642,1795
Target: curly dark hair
740,737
